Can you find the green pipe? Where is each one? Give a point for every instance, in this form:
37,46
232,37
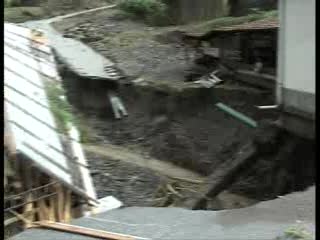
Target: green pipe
237,115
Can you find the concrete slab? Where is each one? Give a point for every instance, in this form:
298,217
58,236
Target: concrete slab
264,221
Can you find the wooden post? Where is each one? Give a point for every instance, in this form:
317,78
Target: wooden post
67,206
27,209
52,208
43,210
26,174
60,201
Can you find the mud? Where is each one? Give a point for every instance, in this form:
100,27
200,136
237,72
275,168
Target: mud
134,186
276,174
185,128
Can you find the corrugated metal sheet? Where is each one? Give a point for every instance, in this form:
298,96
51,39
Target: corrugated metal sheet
27,65
264,24
77,56
270,23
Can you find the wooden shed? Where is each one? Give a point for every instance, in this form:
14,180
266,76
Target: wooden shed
46,176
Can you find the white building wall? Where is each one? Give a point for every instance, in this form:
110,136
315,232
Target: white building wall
297,45
296,66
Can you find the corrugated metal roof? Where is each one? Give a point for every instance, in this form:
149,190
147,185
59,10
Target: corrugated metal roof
28,64
270,23
264,24
77,56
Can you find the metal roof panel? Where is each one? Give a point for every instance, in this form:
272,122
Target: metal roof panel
29,116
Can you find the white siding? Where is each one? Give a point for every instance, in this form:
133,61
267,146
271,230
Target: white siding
297,45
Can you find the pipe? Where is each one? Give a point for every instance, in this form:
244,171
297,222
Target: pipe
268,107
250,122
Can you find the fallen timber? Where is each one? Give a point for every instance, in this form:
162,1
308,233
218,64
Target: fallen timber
265,141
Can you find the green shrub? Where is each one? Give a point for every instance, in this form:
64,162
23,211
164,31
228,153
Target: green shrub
59,106
63,113
152,11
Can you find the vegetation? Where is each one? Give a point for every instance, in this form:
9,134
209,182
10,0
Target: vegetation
152,11
296,233
62,112
59,106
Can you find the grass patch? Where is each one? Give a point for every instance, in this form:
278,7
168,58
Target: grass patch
204,27
23,14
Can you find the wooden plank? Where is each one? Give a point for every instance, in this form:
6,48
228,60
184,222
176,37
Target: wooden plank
15,219
85,231
226,174
256,79
22,218
255,74
67,206
10,221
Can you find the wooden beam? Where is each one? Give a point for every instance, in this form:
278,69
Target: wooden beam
256,79
85,231
15,219
225,174
10,221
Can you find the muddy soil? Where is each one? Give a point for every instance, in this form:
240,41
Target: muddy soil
140,186
133,185
274,175
186,129
191,133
